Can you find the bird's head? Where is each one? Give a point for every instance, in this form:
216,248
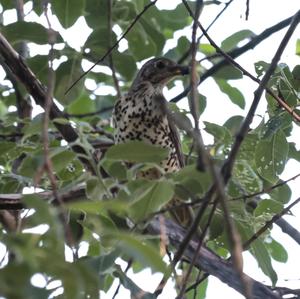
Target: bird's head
158,72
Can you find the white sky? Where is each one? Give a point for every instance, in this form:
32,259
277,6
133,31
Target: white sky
262,15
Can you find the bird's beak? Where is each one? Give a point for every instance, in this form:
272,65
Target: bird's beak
185,70
180,70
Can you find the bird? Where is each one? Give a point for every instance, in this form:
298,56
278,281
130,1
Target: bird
142,115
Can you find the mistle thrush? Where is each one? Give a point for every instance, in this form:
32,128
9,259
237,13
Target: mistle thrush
141,115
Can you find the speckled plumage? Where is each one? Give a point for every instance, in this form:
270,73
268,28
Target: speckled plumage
140,115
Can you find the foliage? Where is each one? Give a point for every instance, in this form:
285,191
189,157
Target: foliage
113,197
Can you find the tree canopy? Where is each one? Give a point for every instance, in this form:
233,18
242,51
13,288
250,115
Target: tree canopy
71,208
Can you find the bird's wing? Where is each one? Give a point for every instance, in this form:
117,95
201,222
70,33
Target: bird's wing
174,135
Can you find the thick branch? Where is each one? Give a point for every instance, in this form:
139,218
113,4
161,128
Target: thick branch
210,262
23,73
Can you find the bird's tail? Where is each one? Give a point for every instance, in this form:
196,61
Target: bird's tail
181,213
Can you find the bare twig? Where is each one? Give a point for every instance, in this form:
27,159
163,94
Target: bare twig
110,57
47,165
235,240
138,16
193,103
187,53
197,282
247,9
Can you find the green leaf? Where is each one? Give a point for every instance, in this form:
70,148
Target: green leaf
279,121
260,252
268,207
247,151
31,164
99,206
136,151
94,188
66,74
207,49
245,177
136,292
261,67
96,13
151,200
39,65
125,64
282,194
28,31
294,153
115,169
298,47
62,159
158,38
233,124
140,250
140,44
232,41
68,11
220,133
271,156
6,146
228,73
103,264
233,93
277,251
81,105
192,180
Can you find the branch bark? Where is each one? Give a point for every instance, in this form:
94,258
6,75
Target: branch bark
210,262
22,72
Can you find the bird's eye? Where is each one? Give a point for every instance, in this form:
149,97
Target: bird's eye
160,65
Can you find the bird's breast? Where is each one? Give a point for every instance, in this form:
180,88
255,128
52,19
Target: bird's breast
144,120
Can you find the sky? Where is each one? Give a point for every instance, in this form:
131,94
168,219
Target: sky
262,15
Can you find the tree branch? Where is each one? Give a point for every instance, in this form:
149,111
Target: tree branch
210,262
236,53
18,67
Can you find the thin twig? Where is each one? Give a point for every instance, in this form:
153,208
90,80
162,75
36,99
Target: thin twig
236,53
193,103
228,165
110,57
48,166
234,237
267,190
197,282
247,9
269,223
138,16
187,53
